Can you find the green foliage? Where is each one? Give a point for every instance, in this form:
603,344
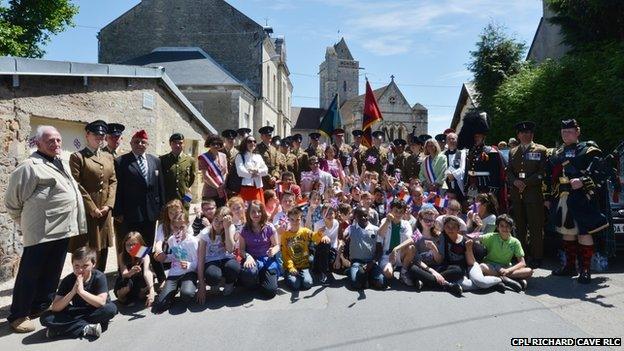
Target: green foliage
587,85
588,21
26,25
497,57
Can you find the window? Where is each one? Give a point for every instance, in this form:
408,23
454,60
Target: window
268,78
400,133
246,121
274,90
344,86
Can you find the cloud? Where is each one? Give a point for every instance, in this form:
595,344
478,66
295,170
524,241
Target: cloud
393,22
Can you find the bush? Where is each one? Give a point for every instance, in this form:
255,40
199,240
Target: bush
587,85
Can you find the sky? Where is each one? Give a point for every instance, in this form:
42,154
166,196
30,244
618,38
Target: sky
425,44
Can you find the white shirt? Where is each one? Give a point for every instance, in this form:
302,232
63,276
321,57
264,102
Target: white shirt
252,162
332,232
215,249
185,250
405,233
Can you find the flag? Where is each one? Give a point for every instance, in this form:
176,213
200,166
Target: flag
138,250
370,115
331,121
441,202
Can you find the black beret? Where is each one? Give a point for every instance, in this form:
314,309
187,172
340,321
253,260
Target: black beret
176,137
378,134
314,135
357,133
440,138
569,123
243,131
338,131
525,126
297,137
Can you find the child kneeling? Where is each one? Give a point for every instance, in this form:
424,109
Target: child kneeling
82,307
365,250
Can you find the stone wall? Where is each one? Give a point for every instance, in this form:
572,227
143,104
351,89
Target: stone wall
62,99
226,34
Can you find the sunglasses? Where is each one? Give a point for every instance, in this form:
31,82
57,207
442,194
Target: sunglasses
251,141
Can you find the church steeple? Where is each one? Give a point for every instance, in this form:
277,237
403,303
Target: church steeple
339,73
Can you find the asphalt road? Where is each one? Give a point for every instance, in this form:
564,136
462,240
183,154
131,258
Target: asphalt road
333,317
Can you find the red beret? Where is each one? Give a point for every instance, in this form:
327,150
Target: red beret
141,134
449,130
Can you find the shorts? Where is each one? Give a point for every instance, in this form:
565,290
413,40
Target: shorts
495,266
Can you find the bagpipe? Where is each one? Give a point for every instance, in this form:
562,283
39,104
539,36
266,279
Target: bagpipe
602,169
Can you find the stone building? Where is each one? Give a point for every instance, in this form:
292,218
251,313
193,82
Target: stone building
339,74
547,42
243,48
68,95
468,100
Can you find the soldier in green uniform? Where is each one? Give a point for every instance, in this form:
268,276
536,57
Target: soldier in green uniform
413,161
230,150
400,156
276,141
525,175
302,164
314,149
343,150
269,155
286,160
376,157
113,139
179,171
357,151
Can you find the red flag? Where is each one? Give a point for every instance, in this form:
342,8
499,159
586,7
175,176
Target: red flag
370,115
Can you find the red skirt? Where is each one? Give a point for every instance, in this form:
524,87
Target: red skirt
250,193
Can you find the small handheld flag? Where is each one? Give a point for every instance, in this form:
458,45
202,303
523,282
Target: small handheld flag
441,202
139,251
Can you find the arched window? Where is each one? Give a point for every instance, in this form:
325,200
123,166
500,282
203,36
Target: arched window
268,79
400,132
344,86
391,134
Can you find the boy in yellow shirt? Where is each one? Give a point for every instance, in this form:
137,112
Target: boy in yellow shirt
294,246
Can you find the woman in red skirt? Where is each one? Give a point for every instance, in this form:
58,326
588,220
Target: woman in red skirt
251,168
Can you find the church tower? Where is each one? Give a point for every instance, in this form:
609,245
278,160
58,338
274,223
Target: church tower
338,74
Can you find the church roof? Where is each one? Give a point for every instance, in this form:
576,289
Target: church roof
187,66
342,50
349,105
307,117
468,95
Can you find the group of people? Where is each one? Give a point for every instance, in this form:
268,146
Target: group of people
447,213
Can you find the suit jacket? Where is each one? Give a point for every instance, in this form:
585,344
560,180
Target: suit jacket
44,199
138,200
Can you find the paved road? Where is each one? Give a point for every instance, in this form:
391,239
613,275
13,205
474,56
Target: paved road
336,318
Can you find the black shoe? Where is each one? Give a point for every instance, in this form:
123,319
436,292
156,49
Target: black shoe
514,285
453,288
535,263
584,278
500,287
523,283
565,271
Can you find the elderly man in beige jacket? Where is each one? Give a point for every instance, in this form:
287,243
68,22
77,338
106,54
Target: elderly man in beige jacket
43,198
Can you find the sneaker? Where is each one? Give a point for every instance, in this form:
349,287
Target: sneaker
512,284
453,288
23,325
405,277
584,278
94,330
322,278
330,277
565,271
523,283
418,285
228,289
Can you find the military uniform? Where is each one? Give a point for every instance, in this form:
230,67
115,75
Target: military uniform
483,172
358,152
343,153
375,158
528,164
179,175
95,174
286,162
411,167
400,161
302,164
112,152
318,152
269,155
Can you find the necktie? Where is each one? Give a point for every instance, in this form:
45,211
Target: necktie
143,166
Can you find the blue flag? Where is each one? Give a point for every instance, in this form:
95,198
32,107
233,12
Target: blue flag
331,121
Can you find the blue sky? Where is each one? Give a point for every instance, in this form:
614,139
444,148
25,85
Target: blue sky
425,44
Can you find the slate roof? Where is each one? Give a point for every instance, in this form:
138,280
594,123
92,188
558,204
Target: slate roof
188,66
37,67
307,117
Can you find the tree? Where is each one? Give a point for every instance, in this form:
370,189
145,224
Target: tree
497,57
587,86
27,25
588,21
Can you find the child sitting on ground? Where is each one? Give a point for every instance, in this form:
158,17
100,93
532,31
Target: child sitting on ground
131,285
82,307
